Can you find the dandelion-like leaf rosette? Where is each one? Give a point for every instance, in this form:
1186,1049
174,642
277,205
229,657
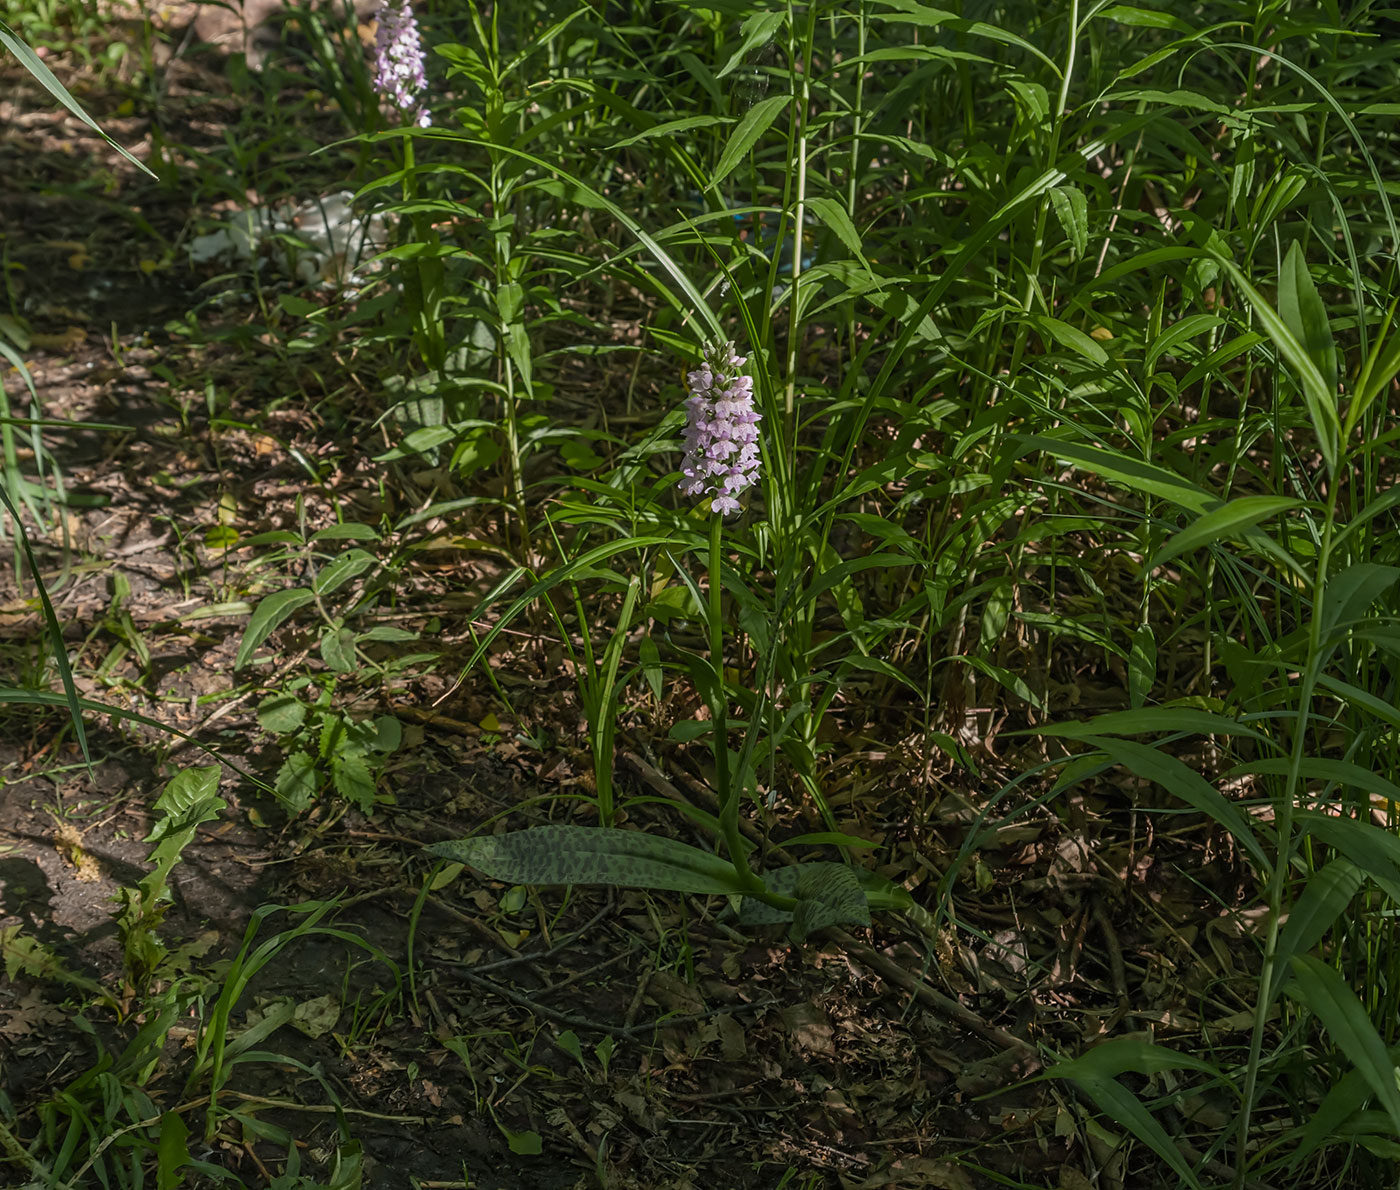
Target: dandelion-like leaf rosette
399,74
721,433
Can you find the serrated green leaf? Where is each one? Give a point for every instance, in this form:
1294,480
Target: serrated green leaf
271,613
352,780
593,855
296,781
281,714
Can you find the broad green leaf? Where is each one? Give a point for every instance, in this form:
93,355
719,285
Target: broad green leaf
172,1151
1320,399
1072,210
1069,336
271,613
1324,991
1151,764
1352,591
1375,851
827,895
1152,719
757,30
35,65
524,1144
1147,478
755,123
349,531
1328,893
338,650
281,714
593,855
1142,666
1127,1055
1302,310
1226,521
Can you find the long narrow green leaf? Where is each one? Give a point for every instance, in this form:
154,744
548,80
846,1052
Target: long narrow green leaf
35,65
57,649
1152,764
1328,893
1128,1111
1146,478
1219,523
755,123
1324,991
1320,400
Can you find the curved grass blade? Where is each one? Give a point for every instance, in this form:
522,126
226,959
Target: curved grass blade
1324,991
35,65
1219,523
1327,895
1154,765
60,651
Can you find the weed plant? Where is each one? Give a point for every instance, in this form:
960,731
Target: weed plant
1072,331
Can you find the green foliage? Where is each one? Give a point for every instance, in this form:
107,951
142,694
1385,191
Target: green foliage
187,803
326,749
1072,329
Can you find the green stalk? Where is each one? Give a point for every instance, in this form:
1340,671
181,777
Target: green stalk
728,794
799,214
1283,811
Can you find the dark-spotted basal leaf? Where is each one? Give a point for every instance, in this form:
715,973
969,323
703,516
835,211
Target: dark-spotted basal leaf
828,895
593,855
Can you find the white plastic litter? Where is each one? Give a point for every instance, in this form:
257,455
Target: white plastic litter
322,241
